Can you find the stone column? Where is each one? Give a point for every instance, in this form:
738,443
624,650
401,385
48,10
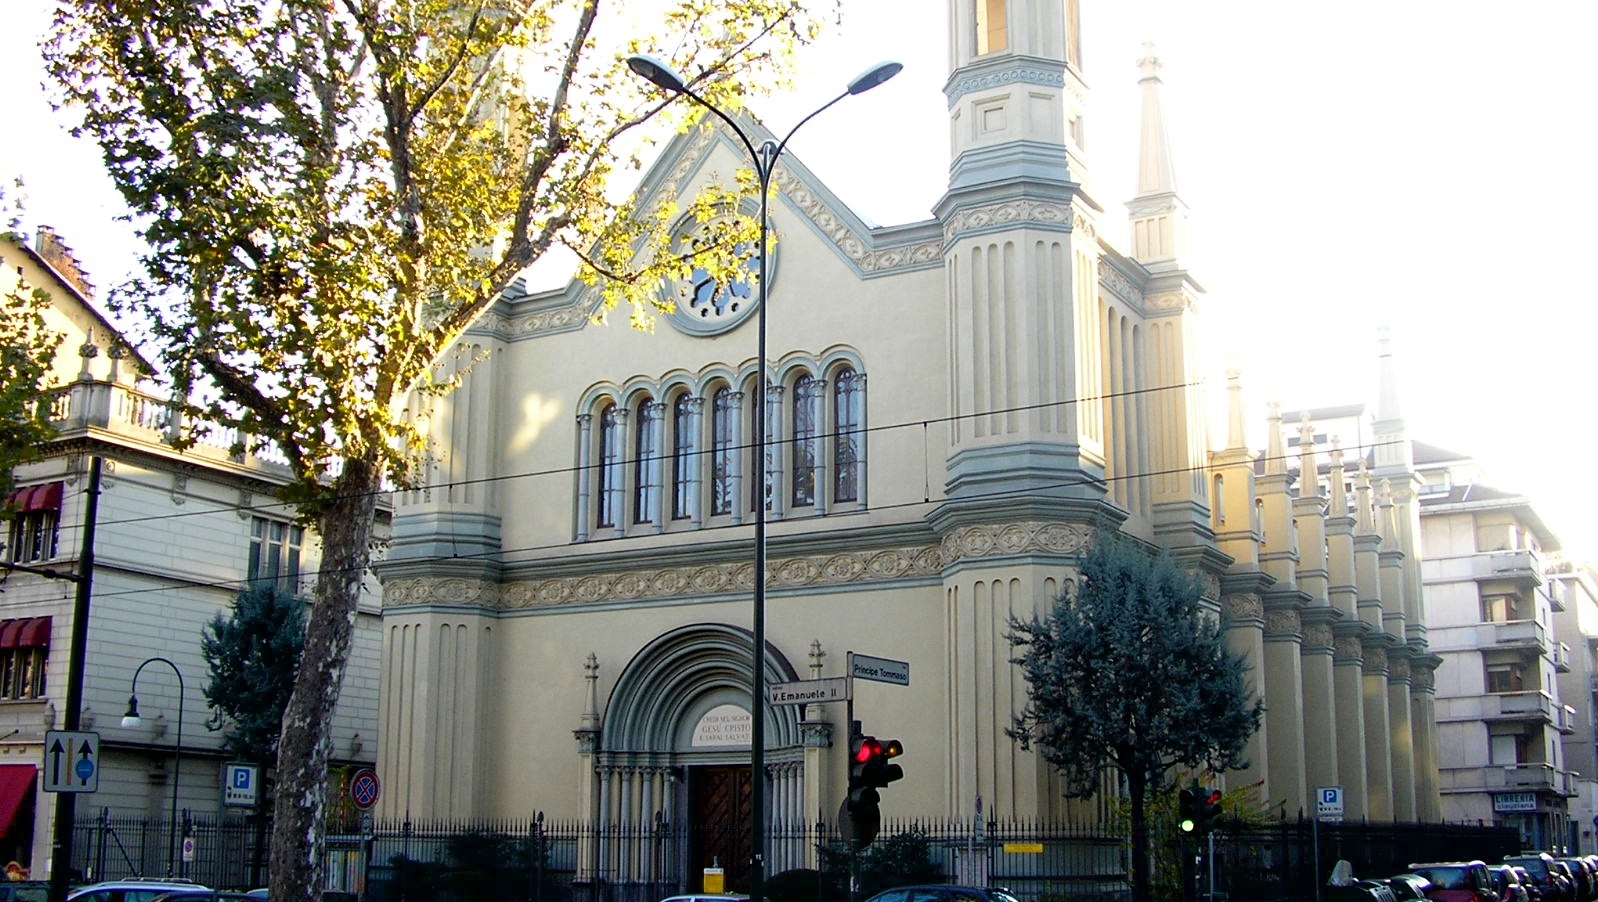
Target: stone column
1284,704
1402,741
1321,721
1245,637
1378,734
1348,674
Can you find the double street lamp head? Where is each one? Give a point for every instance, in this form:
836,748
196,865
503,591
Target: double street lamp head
658,73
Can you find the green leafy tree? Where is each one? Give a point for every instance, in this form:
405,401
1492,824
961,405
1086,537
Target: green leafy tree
1130,670
27,350
333,191
254,655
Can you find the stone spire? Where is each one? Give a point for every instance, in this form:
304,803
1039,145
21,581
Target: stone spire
1156,174
1159,218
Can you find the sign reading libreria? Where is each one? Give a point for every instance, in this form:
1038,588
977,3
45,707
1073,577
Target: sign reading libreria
723,725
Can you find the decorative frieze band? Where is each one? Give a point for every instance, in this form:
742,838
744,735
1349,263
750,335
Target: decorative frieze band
1008,213
1348,648
848,241
840,568
1282,624
1244,606
1375,659
1398,669
1318,636
987,81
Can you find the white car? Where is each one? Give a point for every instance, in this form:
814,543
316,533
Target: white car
131,890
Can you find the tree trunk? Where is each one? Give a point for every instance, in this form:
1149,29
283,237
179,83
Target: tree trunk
299,822
1142,888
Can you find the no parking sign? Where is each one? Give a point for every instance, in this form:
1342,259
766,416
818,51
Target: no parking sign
365,788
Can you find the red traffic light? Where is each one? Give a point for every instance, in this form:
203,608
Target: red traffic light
868,750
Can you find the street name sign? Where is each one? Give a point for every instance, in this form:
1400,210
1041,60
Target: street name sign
881,670
809,692
71,761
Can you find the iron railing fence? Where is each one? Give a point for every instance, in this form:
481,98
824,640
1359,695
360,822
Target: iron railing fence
227,852
538,860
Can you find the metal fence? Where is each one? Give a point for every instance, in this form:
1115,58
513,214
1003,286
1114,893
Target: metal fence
539,861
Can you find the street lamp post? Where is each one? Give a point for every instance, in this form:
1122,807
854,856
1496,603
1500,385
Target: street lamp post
131,720
764,158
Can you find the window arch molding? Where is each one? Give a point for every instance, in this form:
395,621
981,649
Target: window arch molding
678,452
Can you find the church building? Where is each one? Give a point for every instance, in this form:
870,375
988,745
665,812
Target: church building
957,407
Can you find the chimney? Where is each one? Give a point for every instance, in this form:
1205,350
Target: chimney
56,252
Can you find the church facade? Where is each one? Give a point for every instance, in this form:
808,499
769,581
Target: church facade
957,407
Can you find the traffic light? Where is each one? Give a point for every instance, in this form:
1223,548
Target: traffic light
1209,807
870,769
1188,810
1197,808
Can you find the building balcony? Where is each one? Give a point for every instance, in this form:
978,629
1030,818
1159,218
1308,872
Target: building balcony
1521,566
137,417
1566,719
1532,705
1520,633
1561,657
1542,778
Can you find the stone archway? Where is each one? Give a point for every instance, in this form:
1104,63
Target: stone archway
674,750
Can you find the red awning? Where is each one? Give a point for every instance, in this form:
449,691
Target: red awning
35,633
16,786
45,497
25,632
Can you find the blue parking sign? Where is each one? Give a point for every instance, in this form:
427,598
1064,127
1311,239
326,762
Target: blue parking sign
240,785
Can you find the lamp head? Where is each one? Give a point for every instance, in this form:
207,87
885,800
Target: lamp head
131,719
656,72
874,76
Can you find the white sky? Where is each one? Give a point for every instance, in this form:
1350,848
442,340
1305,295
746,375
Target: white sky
1420,164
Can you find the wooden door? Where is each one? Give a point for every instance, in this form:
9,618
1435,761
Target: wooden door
720,823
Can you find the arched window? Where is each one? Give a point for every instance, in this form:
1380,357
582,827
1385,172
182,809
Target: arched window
992,33
848,406
723,450
805,434
610,465
646,485
684,456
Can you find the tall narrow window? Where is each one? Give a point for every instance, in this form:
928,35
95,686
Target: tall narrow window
35,525
992,33
275,552
803,442
849,410
610,472
723,451
645,489
684,458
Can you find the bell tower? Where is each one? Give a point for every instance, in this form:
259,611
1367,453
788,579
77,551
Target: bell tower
1026,486
1021,256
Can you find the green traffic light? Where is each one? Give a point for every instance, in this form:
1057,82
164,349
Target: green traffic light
1188,826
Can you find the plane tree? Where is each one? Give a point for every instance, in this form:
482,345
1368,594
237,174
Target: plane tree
334,191
1129,670
27,349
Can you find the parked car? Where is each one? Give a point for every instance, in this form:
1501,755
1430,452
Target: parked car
938,893
1458,881
136,890
209,895
24,890
1506,879
1550,883
707,897
1582,876
1409,886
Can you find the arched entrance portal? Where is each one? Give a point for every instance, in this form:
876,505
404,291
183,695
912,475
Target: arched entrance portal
672,765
